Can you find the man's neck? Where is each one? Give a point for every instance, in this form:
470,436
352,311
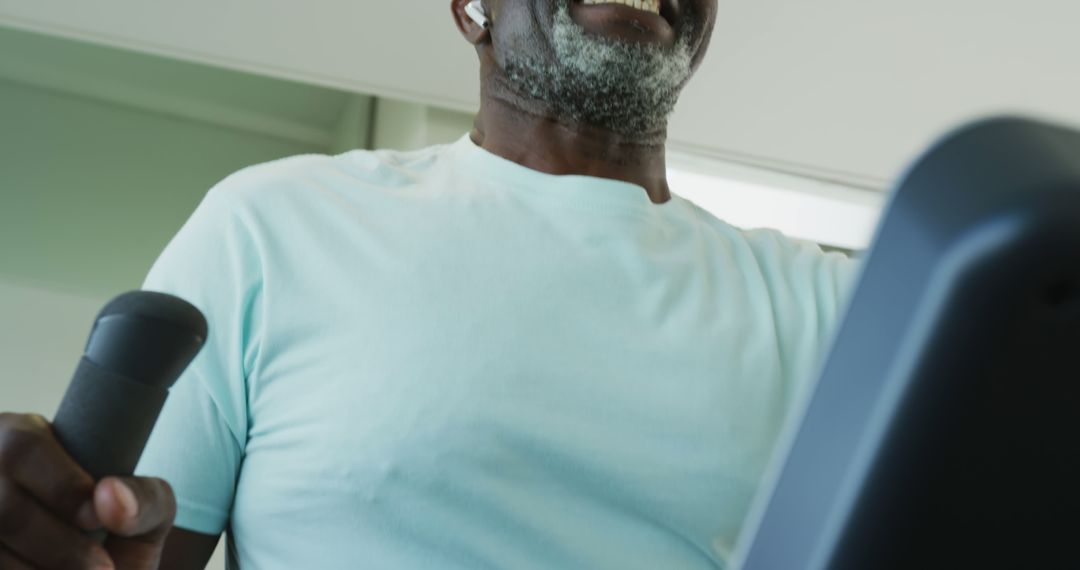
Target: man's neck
544,144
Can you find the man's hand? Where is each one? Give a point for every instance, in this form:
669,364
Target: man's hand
48,502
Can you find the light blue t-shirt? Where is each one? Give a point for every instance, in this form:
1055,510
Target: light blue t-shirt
444,360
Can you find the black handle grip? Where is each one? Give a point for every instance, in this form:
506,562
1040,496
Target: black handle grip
140,344
105,419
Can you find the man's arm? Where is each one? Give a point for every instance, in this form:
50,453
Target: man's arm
186,550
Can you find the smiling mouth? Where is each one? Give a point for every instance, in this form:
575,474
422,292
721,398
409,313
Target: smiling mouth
644,5
649,16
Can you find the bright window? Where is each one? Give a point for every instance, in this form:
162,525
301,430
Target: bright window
745,197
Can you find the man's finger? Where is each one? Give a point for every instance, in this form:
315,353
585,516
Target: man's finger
135,506
9,560
139,513
34,460
37,536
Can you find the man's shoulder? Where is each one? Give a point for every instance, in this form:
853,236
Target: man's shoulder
302,174
770,241
801,260
767,242
784,260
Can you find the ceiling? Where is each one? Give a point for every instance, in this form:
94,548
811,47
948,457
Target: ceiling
847,91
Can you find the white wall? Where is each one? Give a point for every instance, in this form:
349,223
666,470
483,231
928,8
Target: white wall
841,90
401,125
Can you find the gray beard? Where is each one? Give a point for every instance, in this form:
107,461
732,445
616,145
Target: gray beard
624,87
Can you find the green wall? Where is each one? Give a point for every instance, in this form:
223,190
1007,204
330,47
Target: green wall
91,192
104,153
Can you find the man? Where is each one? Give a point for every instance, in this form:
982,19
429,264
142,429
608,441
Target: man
517,351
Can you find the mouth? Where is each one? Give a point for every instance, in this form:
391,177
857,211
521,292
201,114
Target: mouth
646,21
646,5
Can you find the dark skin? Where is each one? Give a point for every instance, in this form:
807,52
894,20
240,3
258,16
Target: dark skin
519,129
45,493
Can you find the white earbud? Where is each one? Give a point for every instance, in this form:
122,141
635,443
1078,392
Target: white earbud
475,10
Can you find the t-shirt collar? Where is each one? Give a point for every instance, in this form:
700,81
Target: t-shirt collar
590,192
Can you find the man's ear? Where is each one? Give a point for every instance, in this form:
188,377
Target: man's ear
472,31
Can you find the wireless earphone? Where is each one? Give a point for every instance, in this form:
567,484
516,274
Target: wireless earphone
475,10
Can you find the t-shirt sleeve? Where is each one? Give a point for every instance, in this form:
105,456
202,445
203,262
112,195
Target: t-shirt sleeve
198,442
810,291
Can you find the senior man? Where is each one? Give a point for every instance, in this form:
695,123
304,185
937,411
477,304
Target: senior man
519,350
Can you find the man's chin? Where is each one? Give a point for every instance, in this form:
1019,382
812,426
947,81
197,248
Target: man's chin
627,87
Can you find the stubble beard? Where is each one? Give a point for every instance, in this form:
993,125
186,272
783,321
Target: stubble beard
624,87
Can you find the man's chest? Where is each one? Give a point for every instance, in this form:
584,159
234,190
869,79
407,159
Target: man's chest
502,389
604,404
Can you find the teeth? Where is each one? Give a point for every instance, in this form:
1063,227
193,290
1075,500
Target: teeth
646,5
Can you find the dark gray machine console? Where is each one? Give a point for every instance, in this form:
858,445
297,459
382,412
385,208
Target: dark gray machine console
944,431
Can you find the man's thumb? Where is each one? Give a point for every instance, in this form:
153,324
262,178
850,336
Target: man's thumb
138,513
